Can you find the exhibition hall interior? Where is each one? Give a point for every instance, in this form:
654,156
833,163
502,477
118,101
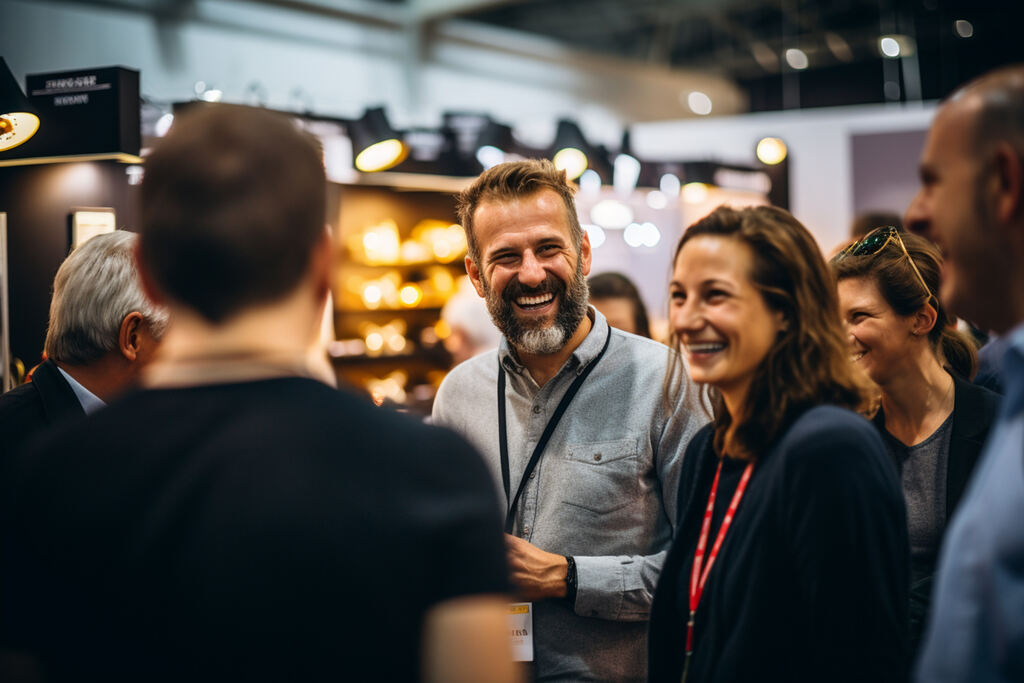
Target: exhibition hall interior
467,341
659,110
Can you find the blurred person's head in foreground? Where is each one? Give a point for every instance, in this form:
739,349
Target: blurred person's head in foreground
617,298
753,309
971,201
103,329
971,204
233,237
232,459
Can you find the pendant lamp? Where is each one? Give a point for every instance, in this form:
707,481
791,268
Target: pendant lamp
570,150
19,120
375,144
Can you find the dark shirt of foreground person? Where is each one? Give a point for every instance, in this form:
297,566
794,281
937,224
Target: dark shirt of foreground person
239,518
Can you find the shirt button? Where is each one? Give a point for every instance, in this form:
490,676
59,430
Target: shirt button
533,475
536,410
526,529
597,457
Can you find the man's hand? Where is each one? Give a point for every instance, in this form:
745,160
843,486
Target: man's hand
535,573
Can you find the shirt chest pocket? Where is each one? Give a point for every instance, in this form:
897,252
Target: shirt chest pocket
602,476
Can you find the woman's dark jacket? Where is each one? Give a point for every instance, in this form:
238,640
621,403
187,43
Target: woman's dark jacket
811,581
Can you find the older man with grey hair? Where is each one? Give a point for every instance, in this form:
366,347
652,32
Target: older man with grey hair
102,330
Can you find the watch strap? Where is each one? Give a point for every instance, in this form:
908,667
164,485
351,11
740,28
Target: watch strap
570,581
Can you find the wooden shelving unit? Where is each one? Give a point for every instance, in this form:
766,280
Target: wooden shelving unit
419,365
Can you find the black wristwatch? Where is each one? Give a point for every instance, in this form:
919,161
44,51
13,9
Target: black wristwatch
570,581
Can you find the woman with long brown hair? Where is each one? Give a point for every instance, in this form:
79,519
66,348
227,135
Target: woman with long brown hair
790,558
932,420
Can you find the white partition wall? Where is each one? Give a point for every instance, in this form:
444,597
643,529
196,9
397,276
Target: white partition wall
821,152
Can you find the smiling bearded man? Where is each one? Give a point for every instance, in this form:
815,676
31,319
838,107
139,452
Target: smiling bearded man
568,416
536,337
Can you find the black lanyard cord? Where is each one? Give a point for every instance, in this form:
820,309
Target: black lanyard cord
544,437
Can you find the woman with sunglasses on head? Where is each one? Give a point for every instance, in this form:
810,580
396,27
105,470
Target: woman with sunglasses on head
790,559
932,419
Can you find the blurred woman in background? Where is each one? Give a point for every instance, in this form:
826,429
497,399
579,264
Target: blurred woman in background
932,419
790,559
617,298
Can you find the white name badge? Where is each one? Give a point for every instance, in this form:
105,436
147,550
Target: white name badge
520,629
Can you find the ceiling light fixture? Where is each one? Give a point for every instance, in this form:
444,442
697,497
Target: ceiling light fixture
569,150
493,144
896,45
590,183
596,235
206,92
699,103
641,235
695,193
19,120
376,146
797,58
163,124
611,214
838,46
625,168
765,56
888,46
657,200
771,151
490,156
669,185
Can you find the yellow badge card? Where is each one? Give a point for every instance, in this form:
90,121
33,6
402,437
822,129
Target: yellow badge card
520,629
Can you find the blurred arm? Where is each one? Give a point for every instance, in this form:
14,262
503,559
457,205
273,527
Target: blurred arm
465,640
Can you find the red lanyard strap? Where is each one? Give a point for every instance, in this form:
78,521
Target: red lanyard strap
697,577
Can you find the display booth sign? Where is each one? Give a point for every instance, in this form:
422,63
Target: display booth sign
83,114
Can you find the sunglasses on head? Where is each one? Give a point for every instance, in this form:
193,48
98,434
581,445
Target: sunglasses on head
874,242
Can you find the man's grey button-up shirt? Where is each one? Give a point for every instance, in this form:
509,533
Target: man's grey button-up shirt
604,490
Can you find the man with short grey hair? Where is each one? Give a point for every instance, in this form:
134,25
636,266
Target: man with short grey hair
102,331
570,416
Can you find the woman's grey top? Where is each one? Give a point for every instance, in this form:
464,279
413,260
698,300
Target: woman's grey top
923,473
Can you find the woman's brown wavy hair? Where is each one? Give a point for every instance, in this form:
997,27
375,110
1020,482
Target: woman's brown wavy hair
809,364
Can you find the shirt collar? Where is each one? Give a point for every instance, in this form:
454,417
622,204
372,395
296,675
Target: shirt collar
1016,339
583,354
89,401
1012,371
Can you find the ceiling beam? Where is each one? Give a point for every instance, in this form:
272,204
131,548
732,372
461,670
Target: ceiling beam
432,10
385,13
363,11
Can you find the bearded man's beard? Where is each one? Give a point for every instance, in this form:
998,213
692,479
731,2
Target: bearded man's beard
540,336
